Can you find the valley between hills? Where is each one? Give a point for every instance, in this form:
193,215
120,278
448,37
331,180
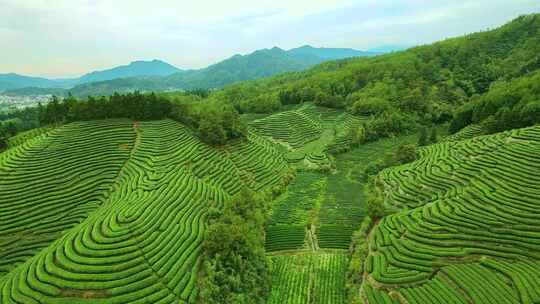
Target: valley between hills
410,177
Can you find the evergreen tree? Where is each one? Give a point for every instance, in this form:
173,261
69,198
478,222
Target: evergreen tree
375,202
433,136
11,129
406,154
234,264
40,113
423,136
3,143
358,135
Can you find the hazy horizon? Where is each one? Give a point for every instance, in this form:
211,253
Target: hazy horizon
71,38
375,50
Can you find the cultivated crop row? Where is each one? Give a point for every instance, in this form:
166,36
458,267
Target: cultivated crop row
308,278
258,161
466,133
291,213
344,127
142,244
469,229
49,184
293,128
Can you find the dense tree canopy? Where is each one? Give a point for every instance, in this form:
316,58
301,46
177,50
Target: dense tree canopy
215,123
132,105
17,121
508,105
234,268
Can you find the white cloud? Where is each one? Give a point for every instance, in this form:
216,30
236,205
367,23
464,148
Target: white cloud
59,37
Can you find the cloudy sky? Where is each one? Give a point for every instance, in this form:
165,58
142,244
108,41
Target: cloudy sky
60,38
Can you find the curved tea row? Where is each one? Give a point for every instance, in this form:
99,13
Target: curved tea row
326,116
50,183
346,124
291,213
27,135
469,229
466,133
292,128
142,245
258,161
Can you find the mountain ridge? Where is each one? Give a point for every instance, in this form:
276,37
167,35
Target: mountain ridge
154,67
255,65
14,82
163,76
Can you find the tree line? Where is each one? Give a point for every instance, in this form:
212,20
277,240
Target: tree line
135,106
14,122
215,123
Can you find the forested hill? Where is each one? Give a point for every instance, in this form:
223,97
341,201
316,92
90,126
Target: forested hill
323,54
259,64
421,85
157,75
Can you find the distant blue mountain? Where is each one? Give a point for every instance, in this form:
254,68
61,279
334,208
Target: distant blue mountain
13,81
325,54
260,63
157,75
16,81
134,69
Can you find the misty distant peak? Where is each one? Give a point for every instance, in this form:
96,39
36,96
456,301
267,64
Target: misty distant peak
324,53
153,61
260,63
137,68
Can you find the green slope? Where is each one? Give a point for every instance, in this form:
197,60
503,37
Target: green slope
113,211
423,84
468,232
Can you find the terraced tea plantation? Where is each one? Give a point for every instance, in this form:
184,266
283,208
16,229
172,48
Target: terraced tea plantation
296,220
309,278
466,133
469,229
466,233
308,133
114,211
291,128
52,182
319,212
